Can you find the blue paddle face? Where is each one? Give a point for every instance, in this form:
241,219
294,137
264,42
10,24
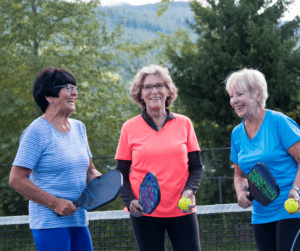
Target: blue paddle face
100,191
149,193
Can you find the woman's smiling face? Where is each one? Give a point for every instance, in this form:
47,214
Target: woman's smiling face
154,98
243,102
65,102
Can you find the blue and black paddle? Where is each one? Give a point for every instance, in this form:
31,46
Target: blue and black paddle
100,191
262,185
149,193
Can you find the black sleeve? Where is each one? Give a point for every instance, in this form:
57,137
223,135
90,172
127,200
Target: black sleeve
126,194
195,172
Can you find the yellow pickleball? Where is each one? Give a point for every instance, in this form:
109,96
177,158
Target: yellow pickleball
291,205
184,202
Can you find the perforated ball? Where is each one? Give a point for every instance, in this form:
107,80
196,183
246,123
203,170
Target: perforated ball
291,205
184,202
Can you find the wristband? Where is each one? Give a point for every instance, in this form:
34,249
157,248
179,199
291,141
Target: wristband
296,188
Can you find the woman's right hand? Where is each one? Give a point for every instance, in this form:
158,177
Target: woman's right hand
243,200
136,209
241,187
64,207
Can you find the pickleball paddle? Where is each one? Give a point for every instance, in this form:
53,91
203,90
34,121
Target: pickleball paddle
100,191
149,194
262,185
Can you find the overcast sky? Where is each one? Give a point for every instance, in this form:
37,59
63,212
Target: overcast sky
294,10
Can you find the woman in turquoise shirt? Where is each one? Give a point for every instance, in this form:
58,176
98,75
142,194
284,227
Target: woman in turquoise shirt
272,138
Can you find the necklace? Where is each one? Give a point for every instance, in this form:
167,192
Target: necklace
161,125
159,120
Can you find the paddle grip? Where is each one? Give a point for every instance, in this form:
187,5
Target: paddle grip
250,197
75,204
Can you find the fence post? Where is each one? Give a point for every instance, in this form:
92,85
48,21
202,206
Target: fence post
220,189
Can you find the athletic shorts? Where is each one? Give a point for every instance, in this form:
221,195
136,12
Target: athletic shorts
63,239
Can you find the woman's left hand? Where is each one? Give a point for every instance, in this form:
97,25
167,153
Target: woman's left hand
189,194
294,151
294,194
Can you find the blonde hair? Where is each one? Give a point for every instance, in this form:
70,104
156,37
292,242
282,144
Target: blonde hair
249,80
137,84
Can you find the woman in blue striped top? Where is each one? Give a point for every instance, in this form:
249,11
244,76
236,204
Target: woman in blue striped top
53,165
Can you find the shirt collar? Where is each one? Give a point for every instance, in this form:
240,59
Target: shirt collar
150,122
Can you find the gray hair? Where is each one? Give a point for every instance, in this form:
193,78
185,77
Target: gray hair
137,84
249,80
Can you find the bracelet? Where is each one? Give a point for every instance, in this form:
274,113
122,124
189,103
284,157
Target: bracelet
296,188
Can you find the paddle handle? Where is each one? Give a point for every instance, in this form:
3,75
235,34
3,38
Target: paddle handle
75,204
250,197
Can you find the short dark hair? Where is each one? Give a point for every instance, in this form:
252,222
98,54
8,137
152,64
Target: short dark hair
45,82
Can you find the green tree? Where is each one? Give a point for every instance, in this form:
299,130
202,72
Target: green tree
35,34
233,35
162,7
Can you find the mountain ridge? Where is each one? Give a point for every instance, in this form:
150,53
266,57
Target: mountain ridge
144,19
140,23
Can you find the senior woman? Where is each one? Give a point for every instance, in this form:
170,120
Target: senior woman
53,165
272,138
164,143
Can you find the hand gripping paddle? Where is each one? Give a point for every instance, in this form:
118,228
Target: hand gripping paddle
149,193
262,185
100,191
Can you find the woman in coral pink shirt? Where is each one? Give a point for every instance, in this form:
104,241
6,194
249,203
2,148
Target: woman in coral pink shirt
164,143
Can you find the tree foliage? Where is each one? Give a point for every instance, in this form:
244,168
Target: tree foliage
233,35
39,33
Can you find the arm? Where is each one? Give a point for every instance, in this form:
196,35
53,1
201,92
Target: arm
126,194
19,180
92,172
195,172
294,151
194,179
241,187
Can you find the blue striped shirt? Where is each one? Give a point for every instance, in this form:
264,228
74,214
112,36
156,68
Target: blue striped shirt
59,164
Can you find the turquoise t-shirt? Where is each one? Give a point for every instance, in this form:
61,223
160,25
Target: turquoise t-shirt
59,164
275,136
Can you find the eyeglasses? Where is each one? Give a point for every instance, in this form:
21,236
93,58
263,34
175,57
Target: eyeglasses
158,86
69,87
